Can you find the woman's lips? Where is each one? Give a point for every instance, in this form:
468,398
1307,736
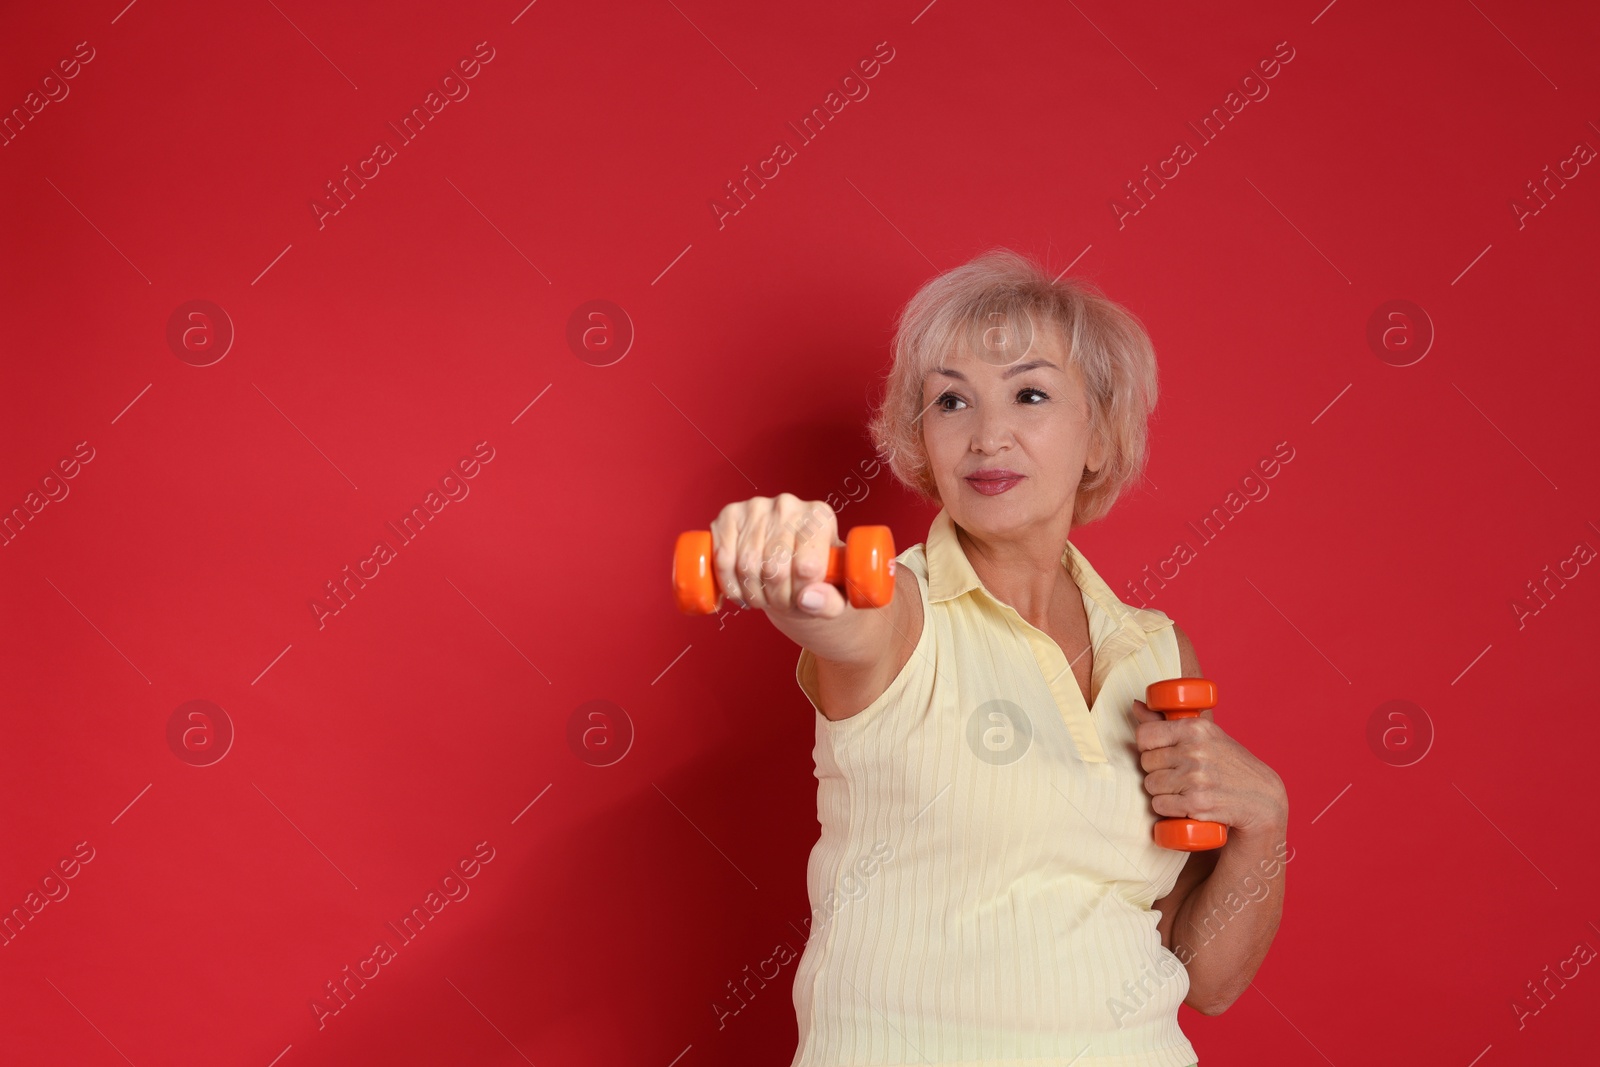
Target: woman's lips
993,483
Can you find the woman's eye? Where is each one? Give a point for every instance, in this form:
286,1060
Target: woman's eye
942,403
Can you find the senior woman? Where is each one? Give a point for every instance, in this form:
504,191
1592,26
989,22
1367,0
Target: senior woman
986,888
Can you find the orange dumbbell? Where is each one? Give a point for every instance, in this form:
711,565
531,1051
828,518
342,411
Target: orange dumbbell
863,567
1185,698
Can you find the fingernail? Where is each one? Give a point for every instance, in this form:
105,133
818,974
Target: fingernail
811,599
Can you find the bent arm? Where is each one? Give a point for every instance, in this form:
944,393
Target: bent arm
1222,930
1223,912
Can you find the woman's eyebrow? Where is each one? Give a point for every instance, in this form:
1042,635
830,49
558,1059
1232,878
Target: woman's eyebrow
1018,369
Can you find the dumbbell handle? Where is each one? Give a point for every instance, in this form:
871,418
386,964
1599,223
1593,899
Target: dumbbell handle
863,567
1185,698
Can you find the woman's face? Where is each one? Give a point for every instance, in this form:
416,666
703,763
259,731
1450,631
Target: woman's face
1007,442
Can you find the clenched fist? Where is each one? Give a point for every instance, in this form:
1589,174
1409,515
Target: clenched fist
772,553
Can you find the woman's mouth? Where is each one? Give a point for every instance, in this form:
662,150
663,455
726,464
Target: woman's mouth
993,482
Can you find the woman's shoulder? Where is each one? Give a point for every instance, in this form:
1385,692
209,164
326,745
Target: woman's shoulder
1088,579
914,559
897,671
1151,618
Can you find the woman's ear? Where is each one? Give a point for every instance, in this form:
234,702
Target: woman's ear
1096,458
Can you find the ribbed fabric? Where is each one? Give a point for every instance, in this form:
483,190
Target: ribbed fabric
981,890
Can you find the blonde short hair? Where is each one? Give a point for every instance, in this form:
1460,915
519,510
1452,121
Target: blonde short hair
1105,341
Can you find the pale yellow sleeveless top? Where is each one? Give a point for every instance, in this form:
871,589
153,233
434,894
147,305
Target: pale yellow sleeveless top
981,890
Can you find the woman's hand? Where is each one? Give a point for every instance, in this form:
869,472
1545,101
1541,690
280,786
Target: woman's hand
772,553
1195,770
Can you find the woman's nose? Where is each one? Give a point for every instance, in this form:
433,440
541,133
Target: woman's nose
993,429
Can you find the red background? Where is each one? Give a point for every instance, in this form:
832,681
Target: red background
372,753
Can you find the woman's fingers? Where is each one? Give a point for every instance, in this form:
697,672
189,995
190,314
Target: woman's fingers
767,550
777,551
813,544
726,530
752,546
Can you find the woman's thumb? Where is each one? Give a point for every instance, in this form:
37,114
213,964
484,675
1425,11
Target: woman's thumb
821,600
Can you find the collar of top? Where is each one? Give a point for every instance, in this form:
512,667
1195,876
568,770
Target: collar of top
950,575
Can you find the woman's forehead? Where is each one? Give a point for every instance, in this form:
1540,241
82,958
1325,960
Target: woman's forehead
964,364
